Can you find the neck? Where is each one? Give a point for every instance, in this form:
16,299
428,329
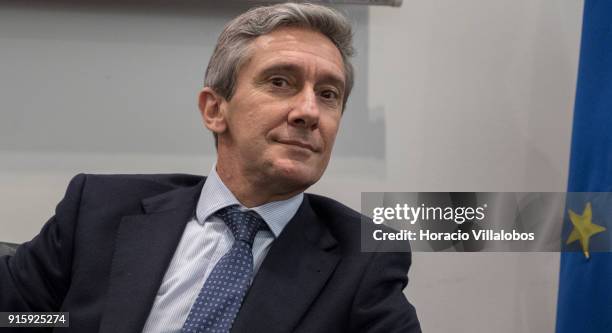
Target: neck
251,191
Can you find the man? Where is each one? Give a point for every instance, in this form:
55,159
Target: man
243,249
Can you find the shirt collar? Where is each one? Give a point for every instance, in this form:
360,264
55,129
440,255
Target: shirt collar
215,195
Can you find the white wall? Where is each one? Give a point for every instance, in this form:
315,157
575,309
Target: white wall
478,97
473,95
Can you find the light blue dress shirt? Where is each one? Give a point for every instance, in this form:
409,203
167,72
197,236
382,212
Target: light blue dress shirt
205,240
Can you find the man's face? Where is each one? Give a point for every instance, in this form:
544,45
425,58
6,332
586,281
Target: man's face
284,115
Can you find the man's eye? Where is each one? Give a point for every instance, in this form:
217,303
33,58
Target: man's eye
329,94
279,82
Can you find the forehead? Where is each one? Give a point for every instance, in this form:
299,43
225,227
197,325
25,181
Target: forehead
300,46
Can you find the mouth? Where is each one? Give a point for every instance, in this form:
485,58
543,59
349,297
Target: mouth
300,144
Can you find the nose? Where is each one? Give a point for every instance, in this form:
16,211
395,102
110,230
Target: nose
305,111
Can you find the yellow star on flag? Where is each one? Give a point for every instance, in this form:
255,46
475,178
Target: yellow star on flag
583,228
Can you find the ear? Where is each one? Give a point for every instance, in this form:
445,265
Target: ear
213,116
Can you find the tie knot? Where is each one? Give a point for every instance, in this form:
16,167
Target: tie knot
243,225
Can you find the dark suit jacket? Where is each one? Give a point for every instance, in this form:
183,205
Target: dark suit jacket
103,255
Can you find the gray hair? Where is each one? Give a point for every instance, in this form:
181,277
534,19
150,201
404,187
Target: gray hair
232,49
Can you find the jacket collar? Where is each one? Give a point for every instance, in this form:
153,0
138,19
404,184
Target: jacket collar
144,247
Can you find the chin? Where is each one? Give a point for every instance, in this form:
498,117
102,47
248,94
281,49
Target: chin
295,174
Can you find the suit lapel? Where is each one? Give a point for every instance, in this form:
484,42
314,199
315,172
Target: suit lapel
291,276
144,248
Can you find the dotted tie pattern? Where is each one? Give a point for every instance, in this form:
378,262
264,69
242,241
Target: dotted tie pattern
218,302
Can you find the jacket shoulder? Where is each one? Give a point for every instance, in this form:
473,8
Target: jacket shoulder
352,228
332,210
167,180
126,189
344,223
136,181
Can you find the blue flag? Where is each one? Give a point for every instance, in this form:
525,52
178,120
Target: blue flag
585,280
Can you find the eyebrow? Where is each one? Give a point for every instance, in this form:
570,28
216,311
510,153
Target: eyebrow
328,78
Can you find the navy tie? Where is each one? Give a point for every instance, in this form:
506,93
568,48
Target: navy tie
218,302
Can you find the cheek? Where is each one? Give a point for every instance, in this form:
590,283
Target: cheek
329,130
255,134
249,125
